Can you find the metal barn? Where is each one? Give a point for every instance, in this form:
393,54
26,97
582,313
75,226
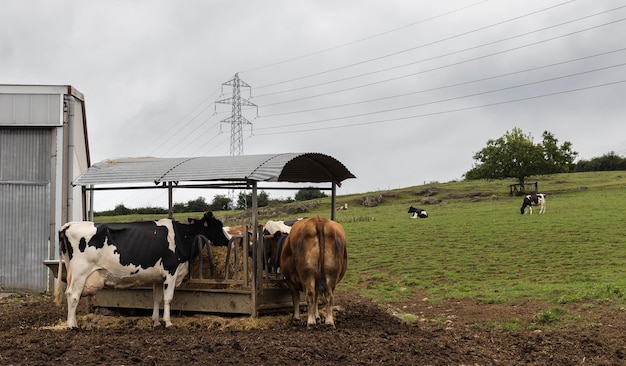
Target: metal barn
43,148
255,287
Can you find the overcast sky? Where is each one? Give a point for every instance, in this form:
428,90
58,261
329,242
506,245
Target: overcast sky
402,92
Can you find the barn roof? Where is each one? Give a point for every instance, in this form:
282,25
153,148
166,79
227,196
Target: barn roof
286,167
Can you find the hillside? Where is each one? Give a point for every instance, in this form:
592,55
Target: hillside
436,194
475,243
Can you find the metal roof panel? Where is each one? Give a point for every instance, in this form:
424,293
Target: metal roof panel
286,167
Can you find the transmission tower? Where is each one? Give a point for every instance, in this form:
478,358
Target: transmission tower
236,120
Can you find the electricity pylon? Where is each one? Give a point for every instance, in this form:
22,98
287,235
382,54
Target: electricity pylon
236,119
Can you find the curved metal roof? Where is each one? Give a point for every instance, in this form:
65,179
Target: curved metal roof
287,167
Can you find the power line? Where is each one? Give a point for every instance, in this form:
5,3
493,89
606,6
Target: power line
446,111
453,98
445,66
413,48
444,86
200,135
432,69
183,138
363,39
176,126
212,148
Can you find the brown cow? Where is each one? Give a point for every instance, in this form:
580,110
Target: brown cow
306,270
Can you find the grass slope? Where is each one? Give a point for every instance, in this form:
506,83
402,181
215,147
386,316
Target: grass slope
477,247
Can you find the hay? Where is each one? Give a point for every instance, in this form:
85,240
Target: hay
219,260
198,321
121,320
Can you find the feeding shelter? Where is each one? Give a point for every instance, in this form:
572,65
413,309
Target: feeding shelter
250,289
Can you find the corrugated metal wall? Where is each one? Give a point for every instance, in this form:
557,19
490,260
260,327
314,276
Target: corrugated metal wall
25,163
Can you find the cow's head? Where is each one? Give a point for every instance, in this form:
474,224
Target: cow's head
528,201
210,227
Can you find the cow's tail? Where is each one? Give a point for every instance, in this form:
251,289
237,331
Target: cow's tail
58,296
322,286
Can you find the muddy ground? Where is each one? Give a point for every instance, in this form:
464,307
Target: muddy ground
449,333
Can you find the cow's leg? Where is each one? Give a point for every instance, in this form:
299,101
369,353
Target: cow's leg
157,296
168,294
295,297
316,310
311,302
330,320
73,292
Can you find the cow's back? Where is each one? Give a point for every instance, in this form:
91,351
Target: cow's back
302,246
132,254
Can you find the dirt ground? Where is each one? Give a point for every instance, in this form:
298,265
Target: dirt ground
449,333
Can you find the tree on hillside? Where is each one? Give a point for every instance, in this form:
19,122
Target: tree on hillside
309,193
120,209
244,200
606,162
197,205
221,203
515,155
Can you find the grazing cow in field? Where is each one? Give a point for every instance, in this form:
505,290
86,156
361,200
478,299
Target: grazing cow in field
418,213
128,255
534,199
275,233
314,260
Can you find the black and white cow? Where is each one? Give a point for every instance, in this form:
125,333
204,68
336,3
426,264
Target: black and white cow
275,233
534,199
418,213
126,255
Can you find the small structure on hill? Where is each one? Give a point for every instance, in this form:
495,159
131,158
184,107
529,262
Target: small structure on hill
521,190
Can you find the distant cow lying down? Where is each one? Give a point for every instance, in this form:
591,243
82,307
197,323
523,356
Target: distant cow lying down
314,260
534,199
418,213
128,255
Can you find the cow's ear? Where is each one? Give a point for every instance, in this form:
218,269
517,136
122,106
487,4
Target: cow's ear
191,221
206,224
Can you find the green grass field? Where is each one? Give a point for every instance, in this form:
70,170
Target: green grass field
484,248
